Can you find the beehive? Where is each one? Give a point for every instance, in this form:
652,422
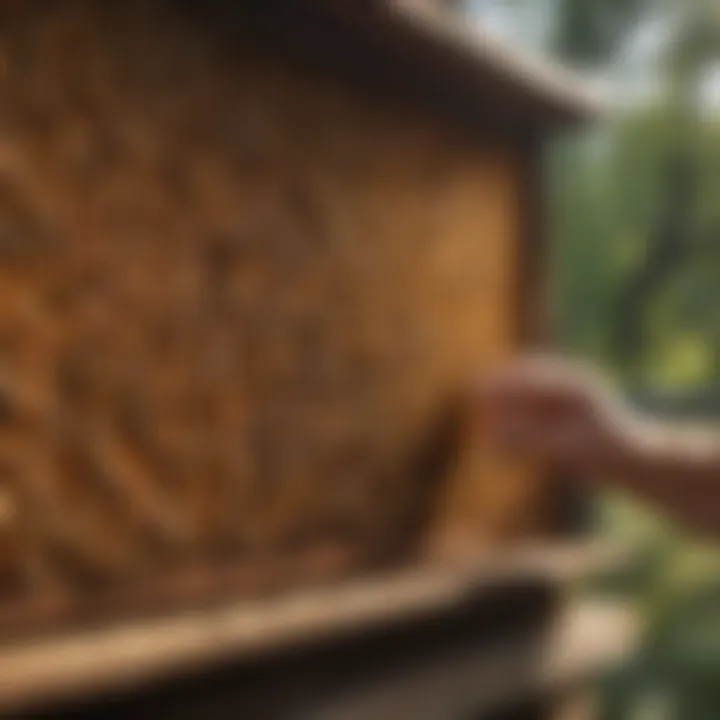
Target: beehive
242,274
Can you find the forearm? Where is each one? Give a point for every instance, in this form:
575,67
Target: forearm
677,469
572,419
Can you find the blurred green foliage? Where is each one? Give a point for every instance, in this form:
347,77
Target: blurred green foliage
609,199
636,263
589,32
675,674
637,216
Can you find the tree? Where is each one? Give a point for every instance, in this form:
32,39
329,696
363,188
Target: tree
590,32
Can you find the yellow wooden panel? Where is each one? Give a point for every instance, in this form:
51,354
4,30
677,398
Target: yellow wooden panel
490,496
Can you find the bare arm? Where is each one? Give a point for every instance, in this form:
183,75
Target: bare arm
678,469
567,415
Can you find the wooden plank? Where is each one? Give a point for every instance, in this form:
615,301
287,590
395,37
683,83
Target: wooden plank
542,80
471,62
133,654
587,639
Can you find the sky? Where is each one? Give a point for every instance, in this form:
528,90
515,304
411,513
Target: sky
530,25
633,77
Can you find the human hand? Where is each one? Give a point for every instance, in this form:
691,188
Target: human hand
549,408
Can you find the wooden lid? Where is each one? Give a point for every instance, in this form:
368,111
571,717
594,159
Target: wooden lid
424,37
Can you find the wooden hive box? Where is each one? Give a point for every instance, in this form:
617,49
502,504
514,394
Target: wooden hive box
249,252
